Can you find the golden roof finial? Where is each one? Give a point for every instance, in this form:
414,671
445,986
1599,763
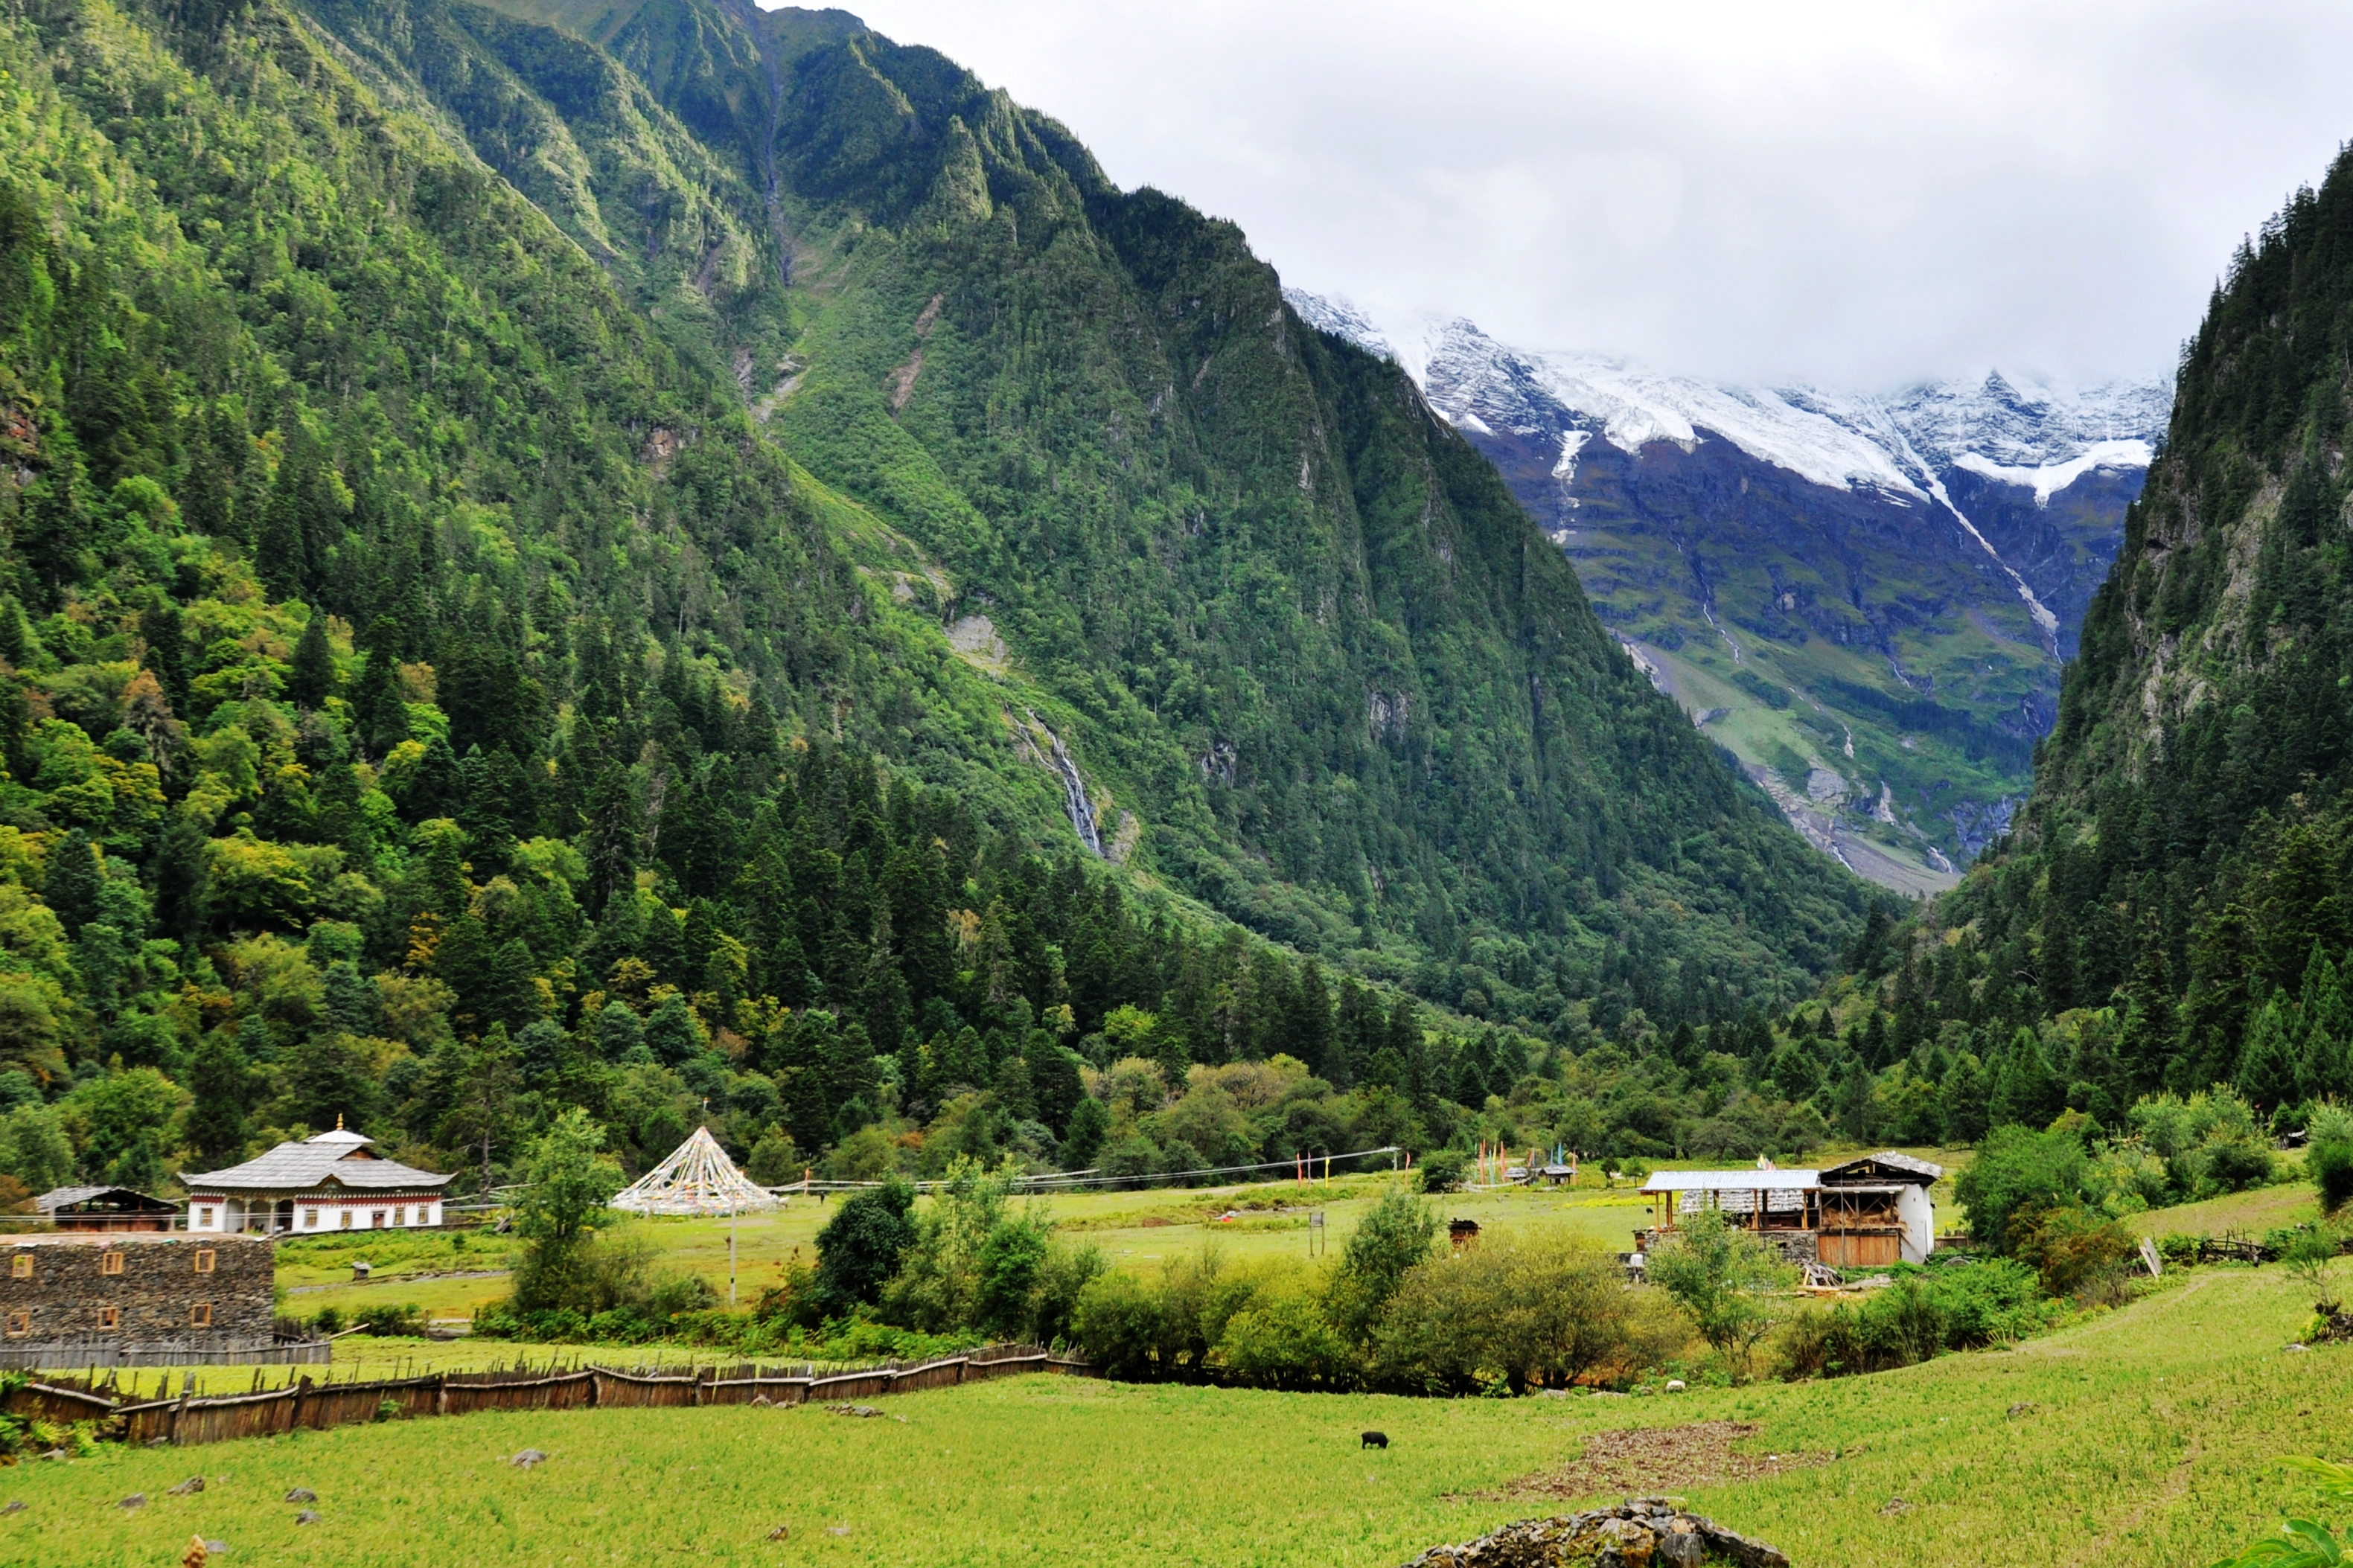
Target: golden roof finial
339,1121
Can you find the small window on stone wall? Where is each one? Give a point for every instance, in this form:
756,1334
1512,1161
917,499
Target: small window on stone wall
110,1262
204,1261
110,1317
21,1266
20,1324
200,1316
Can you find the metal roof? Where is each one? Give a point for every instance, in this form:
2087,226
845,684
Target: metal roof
1730,1181
1889,1160
338,1157
64,1197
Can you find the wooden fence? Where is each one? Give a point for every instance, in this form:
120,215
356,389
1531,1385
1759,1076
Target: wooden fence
99,1355
316,1407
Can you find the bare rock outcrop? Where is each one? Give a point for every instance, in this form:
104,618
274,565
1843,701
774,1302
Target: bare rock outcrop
1638,1534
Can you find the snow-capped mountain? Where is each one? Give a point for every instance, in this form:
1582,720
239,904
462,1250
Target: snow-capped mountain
2038,435
1909,443
1865,596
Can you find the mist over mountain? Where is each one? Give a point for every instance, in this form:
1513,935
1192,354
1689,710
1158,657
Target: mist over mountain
1866,597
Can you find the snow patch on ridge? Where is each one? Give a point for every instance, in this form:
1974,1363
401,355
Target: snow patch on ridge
2049,479
2040,436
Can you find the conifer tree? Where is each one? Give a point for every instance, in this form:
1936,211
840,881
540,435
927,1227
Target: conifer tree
217,1082
2267,1061
311,677
1965,1101
70,885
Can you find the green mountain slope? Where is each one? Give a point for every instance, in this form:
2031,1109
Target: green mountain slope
2174,890
505,525
1295,625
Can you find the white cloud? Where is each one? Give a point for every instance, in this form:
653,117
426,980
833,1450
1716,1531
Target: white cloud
1854,194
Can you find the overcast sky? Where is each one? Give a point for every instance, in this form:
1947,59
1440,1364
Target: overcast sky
1854,195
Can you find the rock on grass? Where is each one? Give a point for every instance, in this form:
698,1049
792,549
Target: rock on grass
1640,1531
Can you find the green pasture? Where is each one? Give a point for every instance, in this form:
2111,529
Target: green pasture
2144,1436
1135,1229
2249,1213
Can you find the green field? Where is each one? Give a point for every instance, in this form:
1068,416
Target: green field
1134,1229
2148,1439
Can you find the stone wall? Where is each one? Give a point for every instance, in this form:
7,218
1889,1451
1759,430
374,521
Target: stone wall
154,1296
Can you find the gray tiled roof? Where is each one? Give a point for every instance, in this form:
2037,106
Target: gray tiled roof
60,1197
1889,1160
298,1167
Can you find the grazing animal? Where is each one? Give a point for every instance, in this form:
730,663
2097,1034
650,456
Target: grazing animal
1374,1440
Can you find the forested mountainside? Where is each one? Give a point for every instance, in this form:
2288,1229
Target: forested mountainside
2170,911
1866,597
700,556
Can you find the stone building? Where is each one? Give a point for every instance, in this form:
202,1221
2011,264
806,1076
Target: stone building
332,1182
132,1292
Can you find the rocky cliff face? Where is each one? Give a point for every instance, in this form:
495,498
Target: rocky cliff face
1867,599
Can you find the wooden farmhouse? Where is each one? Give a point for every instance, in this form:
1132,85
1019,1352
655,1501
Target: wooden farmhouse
1864,1213
333,1181
105,1299
105,1209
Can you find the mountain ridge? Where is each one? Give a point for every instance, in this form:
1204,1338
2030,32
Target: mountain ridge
792,389
1907,569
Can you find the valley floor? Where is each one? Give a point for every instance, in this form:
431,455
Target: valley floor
2146,1436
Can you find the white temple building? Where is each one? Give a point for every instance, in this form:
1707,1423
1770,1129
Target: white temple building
335,1181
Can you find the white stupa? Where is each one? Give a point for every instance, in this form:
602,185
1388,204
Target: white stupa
697,1179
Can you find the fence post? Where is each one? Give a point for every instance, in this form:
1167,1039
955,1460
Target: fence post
440,1393
302,1390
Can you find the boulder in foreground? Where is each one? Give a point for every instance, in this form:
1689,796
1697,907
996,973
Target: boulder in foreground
1638,1533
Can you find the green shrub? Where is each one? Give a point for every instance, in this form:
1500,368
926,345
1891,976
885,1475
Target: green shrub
1718,1273
2331,1166
2234,1165
1393,1238
2180,1249
2017,1172
1121,1326
385,1322
2070,1247
1949,1308
1994,1301
860,1248
1442,1170
1282,1340
1511,1314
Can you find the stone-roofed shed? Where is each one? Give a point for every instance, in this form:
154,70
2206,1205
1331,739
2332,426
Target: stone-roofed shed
105,1208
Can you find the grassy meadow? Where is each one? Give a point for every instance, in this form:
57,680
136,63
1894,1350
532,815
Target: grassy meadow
2143,1436
1136,1230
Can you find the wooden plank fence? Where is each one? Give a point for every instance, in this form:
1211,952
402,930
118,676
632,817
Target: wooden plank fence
316,1407
85,1357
